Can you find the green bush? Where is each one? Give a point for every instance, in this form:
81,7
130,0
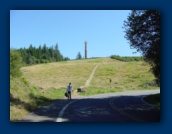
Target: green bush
127,58
30,60
37,61
15,63
44,61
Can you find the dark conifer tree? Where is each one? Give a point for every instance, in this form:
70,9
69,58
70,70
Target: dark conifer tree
78,57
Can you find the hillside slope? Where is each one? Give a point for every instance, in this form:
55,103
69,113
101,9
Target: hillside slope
123,75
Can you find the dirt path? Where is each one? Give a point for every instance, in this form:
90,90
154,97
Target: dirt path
91,76
87,81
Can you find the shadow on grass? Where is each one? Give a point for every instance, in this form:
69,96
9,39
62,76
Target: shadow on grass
37,101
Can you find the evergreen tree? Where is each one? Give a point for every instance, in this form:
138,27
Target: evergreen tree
44,50
57,54
31,51
40,53
47,54
78,56
35,52
51,50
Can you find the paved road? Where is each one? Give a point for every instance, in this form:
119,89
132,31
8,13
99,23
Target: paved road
112,107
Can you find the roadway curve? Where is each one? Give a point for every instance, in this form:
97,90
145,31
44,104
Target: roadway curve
112,107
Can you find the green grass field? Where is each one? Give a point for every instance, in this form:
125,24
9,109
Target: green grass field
44,83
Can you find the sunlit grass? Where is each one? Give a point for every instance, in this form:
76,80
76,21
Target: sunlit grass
123,75
58,75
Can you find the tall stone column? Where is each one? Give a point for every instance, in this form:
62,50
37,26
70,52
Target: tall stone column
85,49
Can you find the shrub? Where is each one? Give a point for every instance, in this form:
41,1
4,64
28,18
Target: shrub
15,63
37,61
127,58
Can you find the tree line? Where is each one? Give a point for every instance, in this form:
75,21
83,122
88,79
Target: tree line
41,54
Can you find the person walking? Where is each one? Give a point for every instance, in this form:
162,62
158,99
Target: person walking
69,90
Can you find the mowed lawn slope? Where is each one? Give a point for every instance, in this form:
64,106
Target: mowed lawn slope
124,75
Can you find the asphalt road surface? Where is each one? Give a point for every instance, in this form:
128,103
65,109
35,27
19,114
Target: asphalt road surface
112,107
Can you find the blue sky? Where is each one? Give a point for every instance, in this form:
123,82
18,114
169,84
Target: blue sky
102,29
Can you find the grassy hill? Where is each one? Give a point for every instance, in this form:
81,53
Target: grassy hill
43,83
124,75
59,74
